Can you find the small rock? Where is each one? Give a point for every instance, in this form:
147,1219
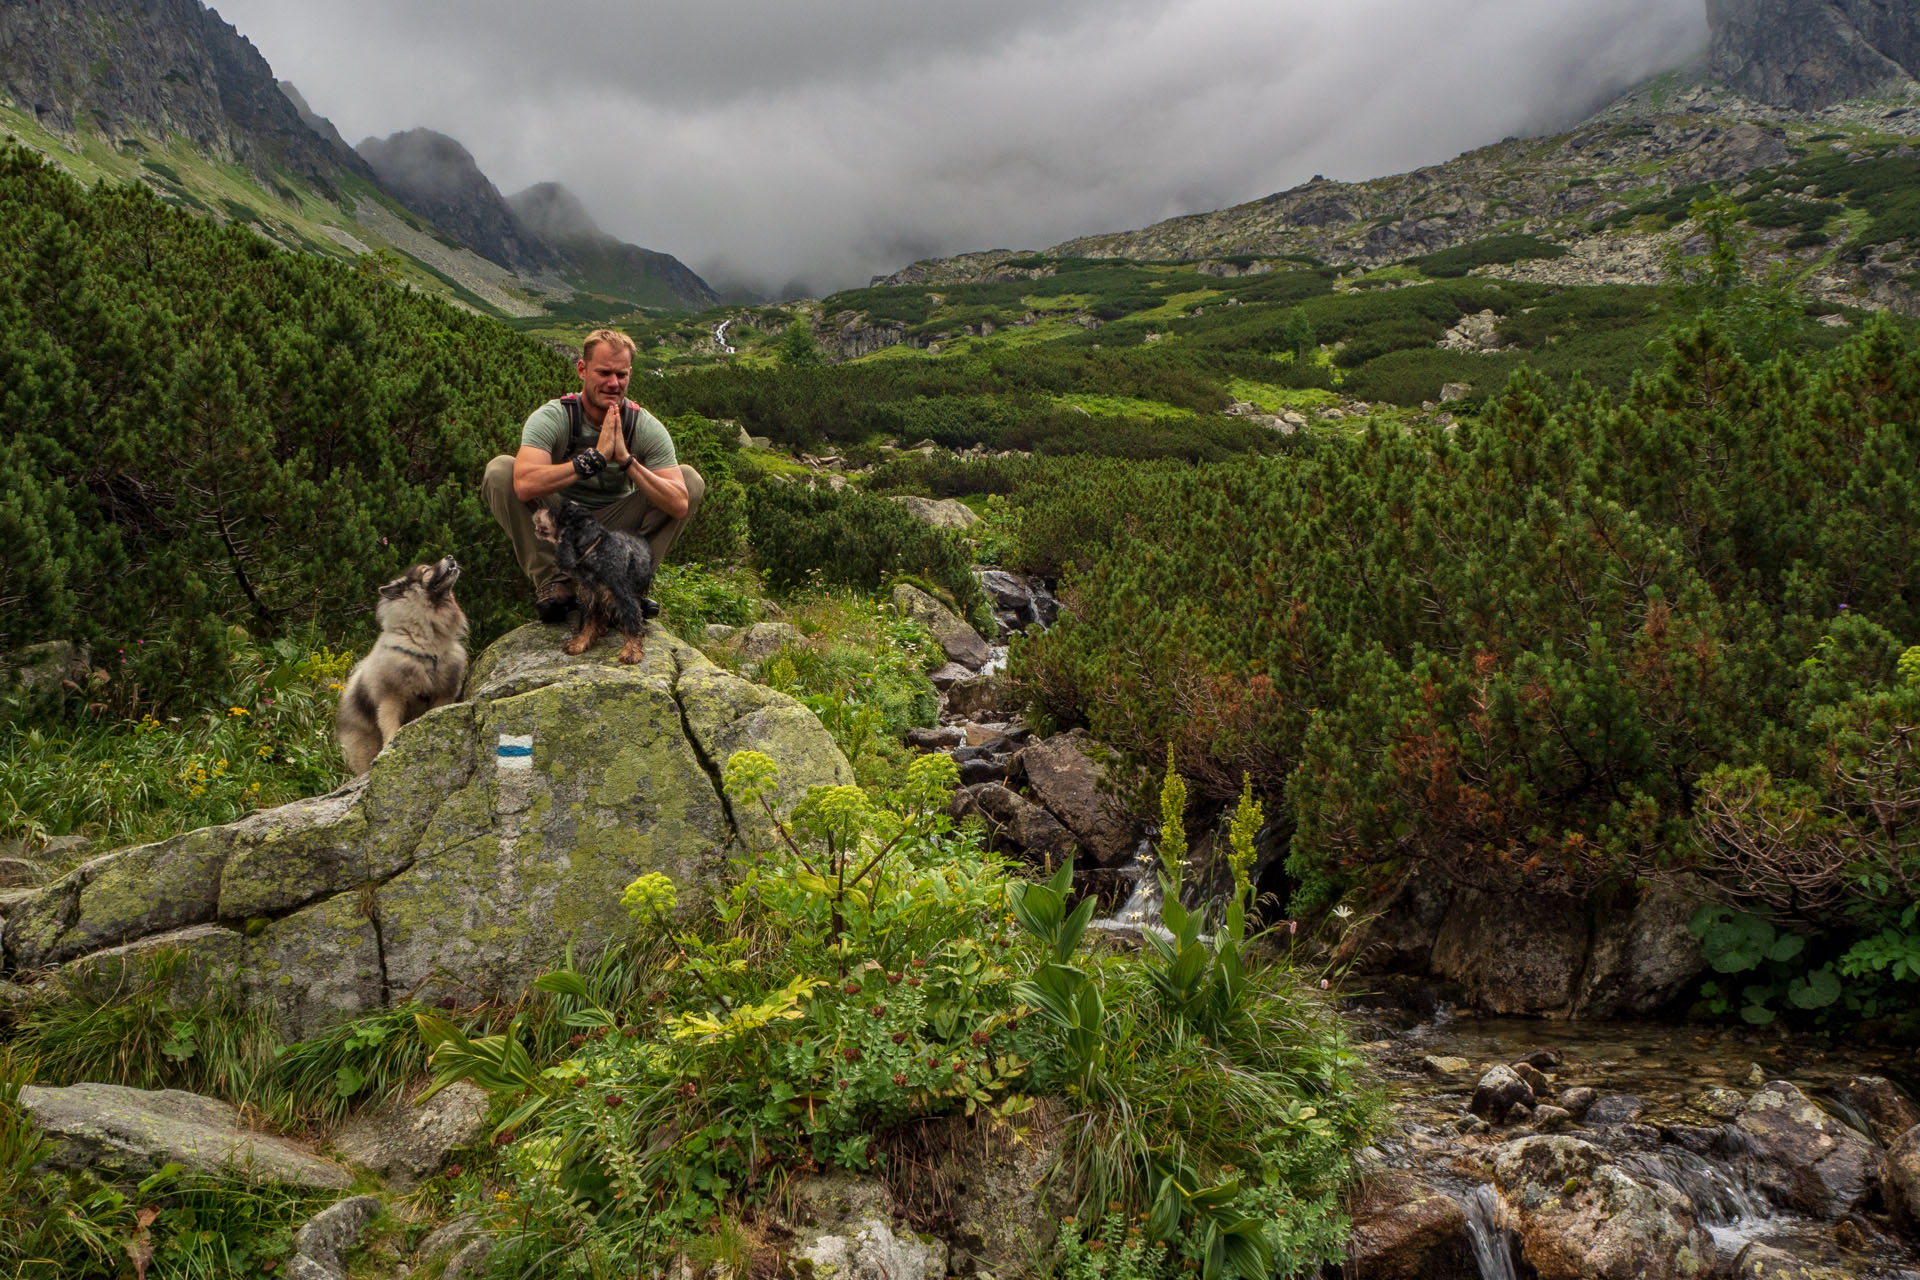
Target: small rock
764,639
1444,1066
1613,1110
1577,1100
939,738
719,633
405,1143
1497,1094
978,694
1542,1059
1719,1102
984,769
1536,1079
335,1232
1903,1183
943,676
1549,1118
1887,1111
1454,391
1758,1261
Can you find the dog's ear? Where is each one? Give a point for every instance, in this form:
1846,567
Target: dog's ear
395,589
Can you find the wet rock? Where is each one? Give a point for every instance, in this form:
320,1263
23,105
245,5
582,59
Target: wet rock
1549,1119
1582,1218
1497,1094
1719,1102
1017,821
1577,1100
1542,1059
1536,1078
941,738
1443,1066
1404,1229
1804,1159
404,1143
1513,955
1887,1111
1062,772
1643,956
1613,1110
1903,1183
1757,1261
117,1132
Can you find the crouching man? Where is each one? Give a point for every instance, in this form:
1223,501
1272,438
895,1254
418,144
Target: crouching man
604,452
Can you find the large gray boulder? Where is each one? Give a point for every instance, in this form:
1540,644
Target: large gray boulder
487,838
1513,955
1643,957
124,1133
941,513
1582,1218
1803,1158
1064,776
961,642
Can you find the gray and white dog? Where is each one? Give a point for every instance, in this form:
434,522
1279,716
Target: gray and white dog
611,571
418,663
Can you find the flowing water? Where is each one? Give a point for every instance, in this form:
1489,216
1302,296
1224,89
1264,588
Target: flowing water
1680,1136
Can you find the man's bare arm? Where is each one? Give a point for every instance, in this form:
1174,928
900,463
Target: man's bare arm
536,474
665,488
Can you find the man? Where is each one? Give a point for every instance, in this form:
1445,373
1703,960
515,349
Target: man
604,452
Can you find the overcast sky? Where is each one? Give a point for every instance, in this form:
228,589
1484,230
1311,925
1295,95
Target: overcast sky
797,146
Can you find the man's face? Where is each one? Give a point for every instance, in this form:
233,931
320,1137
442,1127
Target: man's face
604,376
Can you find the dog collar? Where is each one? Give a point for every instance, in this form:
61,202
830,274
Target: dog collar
431,659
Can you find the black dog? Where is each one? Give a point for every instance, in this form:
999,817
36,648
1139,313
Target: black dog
611,571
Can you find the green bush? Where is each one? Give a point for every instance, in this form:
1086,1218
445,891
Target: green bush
805,535
1460,260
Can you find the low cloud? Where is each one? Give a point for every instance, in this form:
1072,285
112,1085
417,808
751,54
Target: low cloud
801,148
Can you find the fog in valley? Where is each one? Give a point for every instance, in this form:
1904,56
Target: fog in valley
784,149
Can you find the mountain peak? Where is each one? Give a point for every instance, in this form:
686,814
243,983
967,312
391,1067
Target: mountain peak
554,213
437,178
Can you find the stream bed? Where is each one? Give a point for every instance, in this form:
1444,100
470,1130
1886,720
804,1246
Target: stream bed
1672,1106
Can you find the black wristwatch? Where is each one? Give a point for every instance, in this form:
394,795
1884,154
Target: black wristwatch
588,462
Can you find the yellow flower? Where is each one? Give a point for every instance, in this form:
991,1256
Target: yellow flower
219,764
264,752
502,1196
238,711
334,685
197,791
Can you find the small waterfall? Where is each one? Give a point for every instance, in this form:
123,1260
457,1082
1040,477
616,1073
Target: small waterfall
1489,1231
1720,1198
1141,910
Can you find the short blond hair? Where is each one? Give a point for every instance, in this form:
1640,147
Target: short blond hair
619,341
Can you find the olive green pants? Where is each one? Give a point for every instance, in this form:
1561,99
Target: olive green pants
631,514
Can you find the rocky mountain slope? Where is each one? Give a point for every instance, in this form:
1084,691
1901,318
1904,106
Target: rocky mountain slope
165,66
165,92
1779,99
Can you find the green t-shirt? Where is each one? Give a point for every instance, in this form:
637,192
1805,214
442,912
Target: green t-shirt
548,428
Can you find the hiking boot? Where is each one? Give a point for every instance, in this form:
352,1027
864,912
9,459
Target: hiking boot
552,602
649,607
